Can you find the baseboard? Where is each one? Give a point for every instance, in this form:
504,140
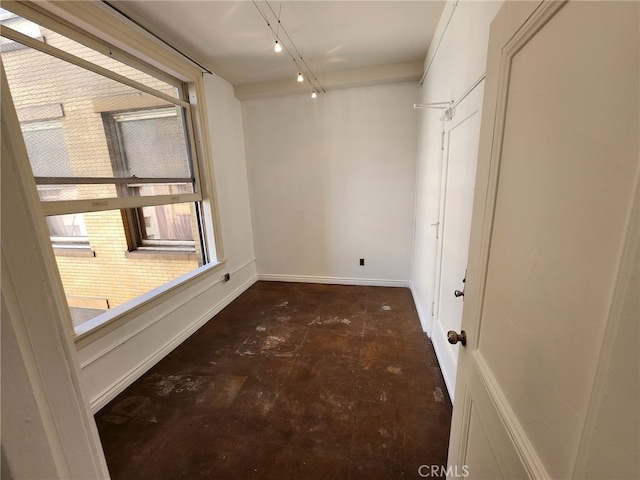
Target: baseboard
449,377
334,280
425,320
114,390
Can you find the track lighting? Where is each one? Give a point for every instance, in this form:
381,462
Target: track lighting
283,41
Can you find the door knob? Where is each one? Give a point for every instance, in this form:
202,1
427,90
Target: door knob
455,337
458,293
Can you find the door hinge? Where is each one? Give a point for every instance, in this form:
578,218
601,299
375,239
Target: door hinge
433,308
442,142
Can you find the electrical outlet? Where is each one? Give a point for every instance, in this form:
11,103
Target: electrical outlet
226,277
362,262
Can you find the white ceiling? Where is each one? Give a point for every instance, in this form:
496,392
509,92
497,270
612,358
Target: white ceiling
335,37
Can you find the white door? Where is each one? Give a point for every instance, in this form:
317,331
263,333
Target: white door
460,152
551,237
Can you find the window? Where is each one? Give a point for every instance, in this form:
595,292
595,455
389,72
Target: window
139,142
68,231
112,151
48,153
144,141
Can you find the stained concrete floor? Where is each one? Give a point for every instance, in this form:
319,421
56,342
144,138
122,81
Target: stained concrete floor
290,381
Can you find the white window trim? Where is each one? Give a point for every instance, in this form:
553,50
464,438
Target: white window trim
103,324
16,36
69,20
90,24
41,125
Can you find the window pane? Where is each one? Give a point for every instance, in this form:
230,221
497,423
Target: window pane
47,149
67,226
68,231
81,143
152,138
168,222
116,276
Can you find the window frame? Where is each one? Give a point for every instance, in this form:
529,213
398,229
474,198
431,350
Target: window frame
77,242
111,35
133,218
62,207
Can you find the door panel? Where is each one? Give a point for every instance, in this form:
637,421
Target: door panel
459,171
558,167
480,454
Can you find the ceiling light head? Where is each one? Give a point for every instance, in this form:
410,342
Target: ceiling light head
277,48
300,77
314,95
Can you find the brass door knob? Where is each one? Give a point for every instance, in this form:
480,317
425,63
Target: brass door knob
455,337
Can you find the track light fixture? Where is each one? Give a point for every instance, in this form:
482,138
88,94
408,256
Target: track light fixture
304,72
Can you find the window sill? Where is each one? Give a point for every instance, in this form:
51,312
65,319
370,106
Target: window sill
103,324
160,254
73,252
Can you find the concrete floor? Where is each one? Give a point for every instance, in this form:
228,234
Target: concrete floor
290,381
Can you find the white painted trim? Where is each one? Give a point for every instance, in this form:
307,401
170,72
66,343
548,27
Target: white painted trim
105,323
43,17
439,34
244,265
359,77
626,268
425,320
118,387
33,299
449,377
458,453
90,66
498,417
160,37
63,207
184,300
334,280
101,22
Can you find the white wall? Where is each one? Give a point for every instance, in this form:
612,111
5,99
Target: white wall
332,181
455,61
111,363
